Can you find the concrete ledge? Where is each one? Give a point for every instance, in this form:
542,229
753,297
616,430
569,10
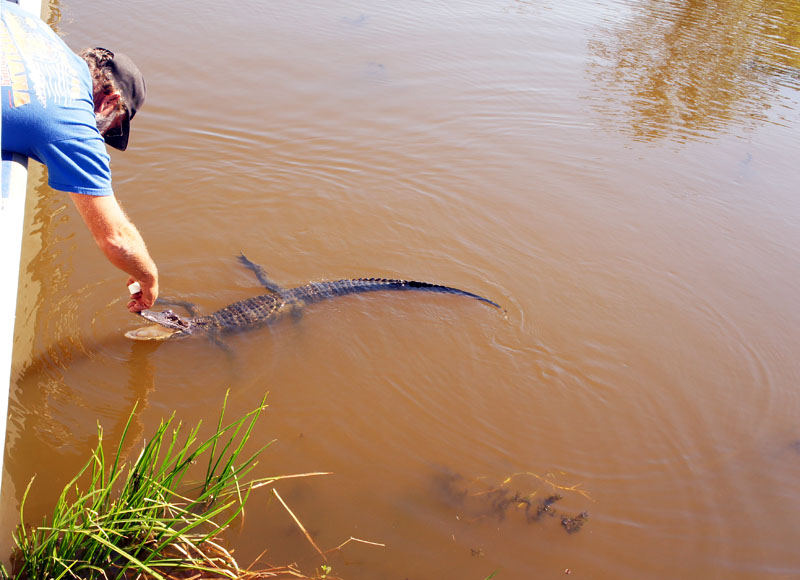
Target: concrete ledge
13,188
13,185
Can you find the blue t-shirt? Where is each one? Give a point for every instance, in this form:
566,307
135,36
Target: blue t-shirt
48,111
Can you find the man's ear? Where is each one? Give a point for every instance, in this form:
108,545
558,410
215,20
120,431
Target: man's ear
108,104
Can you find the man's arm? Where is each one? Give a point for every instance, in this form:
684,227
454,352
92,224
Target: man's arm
122,244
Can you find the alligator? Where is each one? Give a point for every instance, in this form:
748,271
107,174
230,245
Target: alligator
262,309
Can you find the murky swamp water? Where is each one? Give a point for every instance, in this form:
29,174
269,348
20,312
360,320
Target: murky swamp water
620,176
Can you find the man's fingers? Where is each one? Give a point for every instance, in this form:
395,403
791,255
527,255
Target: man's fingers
143,296
138,302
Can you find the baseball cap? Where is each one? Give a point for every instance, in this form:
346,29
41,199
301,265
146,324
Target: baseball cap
130,82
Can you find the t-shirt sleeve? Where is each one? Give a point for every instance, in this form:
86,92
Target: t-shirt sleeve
78,166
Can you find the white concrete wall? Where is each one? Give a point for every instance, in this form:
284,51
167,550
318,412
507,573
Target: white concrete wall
13,186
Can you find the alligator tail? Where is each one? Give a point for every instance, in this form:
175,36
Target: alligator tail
321,290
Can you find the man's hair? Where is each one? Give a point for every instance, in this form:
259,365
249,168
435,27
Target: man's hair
98,60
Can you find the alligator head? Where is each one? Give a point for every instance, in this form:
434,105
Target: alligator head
177,326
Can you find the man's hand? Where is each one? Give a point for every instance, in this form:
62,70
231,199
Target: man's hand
144,298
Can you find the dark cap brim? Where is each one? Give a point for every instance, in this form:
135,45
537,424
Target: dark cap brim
120,141
129,82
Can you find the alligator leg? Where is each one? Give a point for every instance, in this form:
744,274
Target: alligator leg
261,274
215,337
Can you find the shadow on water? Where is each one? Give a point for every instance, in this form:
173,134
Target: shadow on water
690,68
42,425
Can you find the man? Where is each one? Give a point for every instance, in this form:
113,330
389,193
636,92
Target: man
58,108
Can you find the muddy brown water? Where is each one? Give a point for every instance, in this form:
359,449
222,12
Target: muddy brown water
620,176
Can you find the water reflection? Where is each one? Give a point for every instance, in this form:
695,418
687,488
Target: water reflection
524,7
782,26
52,14
687,69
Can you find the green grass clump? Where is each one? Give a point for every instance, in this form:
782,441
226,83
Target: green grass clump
146,521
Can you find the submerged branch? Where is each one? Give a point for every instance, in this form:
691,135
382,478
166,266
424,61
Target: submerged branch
352,539
299,525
